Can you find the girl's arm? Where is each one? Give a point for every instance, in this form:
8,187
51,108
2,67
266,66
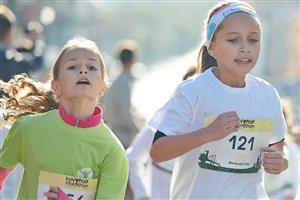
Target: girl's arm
9,152
274,158
3,175
169,147
138,156
113,174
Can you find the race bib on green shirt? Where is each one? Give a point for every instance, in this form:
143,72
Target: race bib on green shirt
240,151
74,187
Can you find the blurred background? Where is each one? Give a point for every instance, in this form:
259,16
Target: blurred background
168,34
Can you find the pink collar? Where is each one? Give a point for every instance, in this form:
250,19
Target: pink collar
92,121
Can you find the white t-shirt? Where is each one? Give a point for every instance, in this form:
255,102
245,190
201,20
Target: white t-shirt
227,168
286,183
146,178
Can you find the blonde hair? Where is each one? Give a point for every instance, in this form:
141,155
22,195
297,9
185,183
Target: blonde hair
26,96
79,42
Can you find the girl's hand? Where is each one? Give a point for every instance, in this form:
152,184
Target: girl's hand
273,161
52,194
55,193
223,125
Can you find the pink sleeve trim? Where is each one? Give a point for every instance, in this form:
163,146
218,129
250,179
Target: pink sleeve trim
3,175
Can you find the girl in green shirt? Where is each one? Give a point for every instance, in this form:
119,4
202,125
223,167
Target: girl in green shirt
67,152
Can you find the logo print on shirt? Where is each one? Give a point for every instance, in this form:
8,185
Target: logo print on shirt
85,173
247,123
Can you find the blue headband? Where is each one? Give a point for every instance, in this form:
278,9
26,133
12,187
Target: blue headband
221,14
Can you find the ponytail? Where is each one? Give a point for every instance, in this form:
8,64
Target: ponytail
205,60
23,96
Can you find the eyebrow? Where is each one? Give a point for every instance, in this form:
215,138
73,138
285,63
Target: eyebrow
89,58
232,33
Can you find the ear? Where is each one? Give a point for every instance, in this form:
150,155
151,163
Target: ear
211,50
55,88
102,88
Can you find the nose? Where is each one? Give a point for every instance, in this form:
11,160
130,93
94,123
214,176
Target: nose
83,70
245,47
244,50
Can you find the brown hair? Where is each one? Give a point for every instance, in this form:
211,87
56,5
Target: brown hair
205,60
23,96
126,50
191,71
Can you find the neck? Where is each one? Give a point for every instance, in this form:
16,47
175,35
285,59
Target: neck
127,67
79,109
228,78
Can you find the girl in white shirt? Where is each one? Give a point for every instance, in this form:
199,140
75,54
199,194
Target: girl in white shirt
225,125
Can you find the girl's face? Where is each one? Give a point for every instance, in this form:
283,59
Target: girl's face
80,76
237,44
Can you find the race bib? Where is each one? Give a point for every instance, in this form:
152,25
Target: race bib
240,151
75,187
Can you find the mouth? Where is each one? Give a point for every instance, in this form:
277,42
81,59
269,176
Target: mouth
243,61
83,81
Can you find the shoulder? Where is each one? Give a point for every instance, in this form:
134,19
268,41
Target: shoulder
192,88
2,50
120,82
30,121
38,117
197,82
110,138
257,81
262,85
114,149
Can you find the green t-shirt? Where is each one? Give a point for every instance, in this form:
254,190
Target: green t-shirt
46,143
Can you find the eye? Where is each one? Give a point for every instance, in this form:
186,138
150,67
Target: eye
71,67
253,40
232,40
92,68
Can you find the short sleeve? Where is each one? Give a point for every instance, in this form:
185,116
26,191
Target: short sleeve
279,127
113,175
10,149
138,155
175,117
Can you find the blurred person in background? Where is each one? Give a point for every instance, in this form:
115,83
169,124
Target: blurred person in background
33,44
149,180
11,61
120,115
285,185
